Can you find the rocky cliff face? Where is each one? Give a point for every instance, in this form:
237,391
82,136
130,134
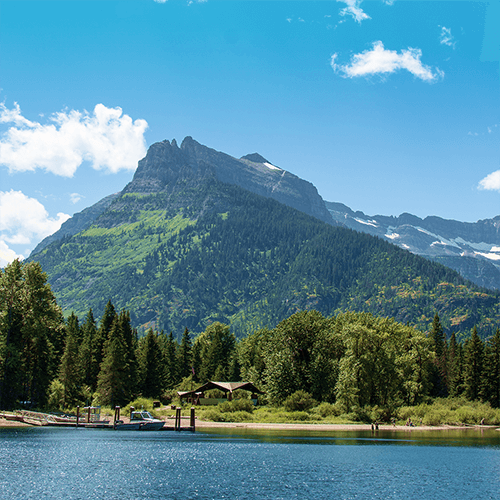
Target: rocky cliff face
166,164
472,249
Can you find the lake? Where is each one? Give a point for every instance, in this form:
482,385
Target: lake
43,463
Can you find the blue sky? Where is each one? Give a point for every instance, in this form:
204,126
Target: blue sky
386,106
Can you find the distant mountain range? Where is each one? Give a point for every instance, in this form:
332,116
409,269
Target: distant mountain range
472,249
199,236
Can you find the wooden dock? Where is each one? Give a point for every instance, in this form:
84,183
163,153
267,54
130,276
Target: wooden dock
84,421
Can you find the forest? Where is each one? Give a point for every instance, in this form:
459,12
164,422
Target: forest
354,360
215,252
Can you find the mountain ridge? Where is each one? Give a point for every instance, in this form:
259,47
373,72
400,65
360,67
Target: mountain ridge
159,170
471,248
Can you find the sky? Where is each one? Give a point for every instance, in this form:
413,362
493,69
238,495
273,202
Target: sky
385,106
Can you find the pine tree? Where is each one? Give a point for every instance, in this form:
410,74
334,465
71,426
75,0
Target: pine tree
69,372
11,335
438,371
184,357
113,383
130,338
105,324
492,370
473,366
31,334
453,367
150,366
168,347
88,366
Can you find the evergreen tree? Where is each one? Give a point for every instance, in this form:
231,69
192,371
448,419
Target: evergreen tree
102,334
438,371
130,338
492,370
185,357
112,383
31,334
168,347
473,366
11,333
150,365
89,368
69,372
453,367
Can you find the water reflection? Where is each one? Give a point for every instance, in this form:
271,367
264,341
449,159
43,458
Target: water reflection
461,437
83,464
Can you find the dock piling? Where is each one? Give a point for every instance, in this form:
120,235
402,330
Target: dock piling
192,419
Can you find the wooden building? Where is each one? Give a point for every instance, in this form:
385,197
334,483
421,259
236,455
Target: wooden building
198,396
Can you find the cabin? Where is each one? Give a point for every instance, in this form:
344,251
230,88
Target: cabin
199,397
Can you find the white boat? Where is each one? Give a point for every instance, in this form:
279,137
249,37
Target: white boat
146,421
121,426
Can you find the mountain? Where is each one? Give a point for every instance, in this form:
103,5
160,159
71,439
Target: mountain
472,249
198,236
166,164
79,222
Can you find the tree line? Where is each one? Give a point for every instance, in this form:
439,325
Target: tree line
357,360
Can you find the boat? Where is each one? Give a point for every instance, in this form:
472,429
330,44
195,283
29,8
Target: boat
122,426
146,421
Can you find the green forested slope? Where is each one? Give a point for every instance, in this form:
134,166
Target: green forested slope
207,251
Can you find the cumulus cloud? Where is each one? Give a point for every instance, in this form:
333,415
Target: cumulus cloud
379,61
7,255
353,9
446,38
21,220
106,138
491,182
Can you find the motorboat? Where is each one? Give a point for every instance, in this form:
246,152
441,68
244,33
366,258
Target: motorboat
146,421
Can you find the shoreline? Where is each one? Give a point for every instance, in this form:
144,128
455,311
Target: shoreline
204,424
335,427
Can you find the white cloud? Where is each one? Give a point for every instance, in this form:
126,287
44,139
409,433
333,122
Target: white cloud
106,138
7,255
446,38
381,61
21,220
353,9
75,197
160,1
491,182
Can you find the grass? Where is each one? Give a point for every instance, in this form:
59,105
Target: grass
443,411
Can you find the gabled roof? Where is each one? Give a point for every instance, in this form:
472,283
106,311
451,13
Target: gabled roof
223,386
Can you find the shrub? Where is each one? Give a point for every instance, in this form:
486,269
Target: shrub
213,415
300,416
56,395
324,410
237,416
299,401
236,405
359,414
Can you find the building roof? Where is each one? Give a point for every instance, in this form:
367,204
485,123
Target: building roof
222,386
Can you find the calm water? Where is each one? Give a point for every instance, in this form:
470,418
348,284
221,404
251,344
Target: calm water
44,463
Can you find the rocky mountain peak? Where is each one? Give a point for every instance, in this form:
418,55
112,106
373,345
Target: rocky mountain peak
165,164
255,157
